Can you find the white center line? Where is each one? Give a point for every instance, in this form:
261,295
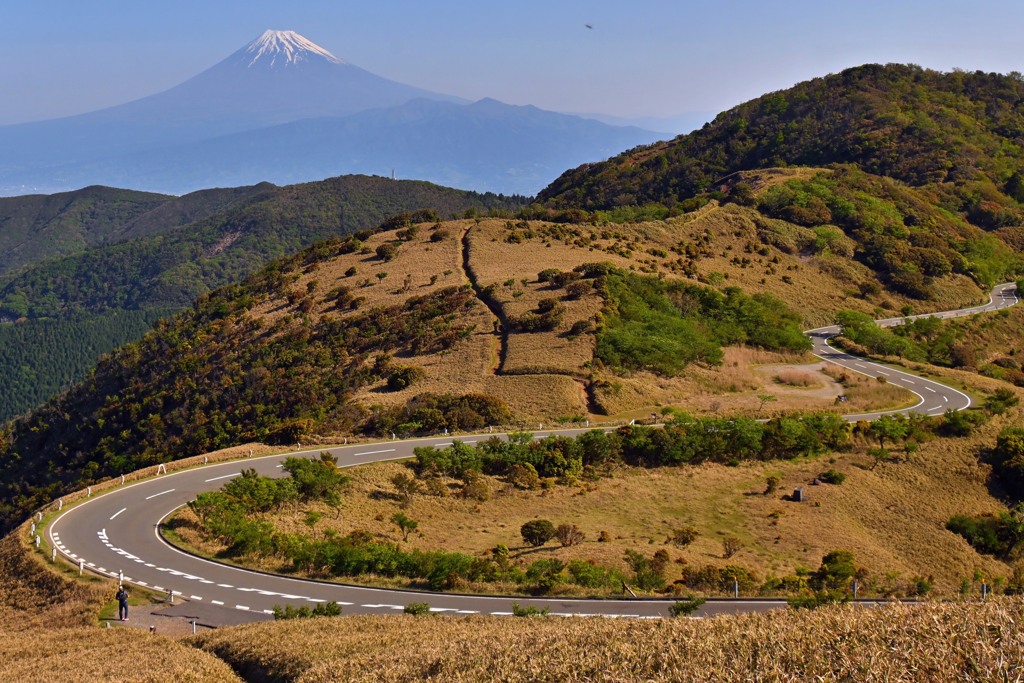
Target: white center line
159,494
386,450
119,512
226,476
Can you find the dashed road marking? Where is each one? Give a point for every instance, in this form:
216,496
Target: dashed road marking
386,450
159,494
118,512
226,476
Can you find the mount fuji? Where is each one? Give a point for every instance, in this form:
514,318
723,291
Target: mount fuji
263,113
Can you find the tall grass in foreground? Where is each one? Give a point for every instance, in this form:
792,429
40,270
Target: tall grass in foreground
930,642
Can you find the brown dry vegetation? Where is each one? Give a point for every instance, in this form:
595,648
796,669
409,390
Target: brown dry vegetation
933,642
83,655
34,596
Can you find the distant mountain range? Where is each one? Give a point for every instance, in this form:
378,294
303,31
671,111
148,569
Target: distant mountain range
283,109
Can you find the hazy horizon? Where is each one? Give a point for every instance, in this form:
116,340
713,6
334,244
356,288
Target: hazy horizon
658,60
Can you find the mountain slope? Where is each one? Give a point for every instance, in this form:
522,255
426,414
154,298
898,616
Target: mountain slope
80,307
41,226
924,128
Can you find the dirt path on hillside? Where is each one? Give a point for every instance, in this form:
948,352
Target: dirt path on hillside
498,317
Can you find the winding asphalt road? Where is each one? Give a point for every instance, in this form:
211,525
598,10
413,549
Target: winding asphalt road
117,534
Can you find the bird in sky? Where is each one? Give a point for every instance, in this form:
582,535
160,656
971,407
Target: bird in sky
588,25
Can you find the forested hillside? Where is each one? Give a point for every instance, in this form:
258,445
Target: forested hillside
44,226
61,304
959,134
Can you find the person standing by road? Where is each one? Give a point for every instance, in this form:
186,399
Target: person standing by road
122,603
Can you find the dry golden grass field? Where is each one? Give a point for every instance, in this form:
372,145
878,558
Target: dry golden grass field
934,642
544,376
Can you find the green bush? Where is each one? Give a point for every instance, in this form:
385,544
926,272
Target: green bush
528,611
832,477
417,608
684,607
537,532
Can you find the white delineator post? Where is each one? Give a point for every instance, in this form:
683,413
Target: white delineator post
38,540
81,566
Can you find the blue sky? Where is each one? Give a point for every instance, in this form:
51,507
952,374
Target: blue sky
645,58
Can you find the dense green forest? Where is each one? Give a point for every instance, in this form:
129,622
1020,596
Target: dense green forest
156,269
38,359
38,227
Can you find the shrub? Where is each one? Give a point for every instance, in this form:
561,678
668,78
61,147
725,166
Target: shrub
835,572
537,532
685,606
1001,401
730,546
832,477
524,475
476,488
817,599
404,377
323,609
417,608
591,575
648,573
684,536
528,611
576,290
569,535
387,251
960,422
546,274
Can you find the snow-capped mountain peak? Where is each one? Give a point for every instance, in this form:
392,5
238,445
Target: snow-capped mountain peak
285,48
